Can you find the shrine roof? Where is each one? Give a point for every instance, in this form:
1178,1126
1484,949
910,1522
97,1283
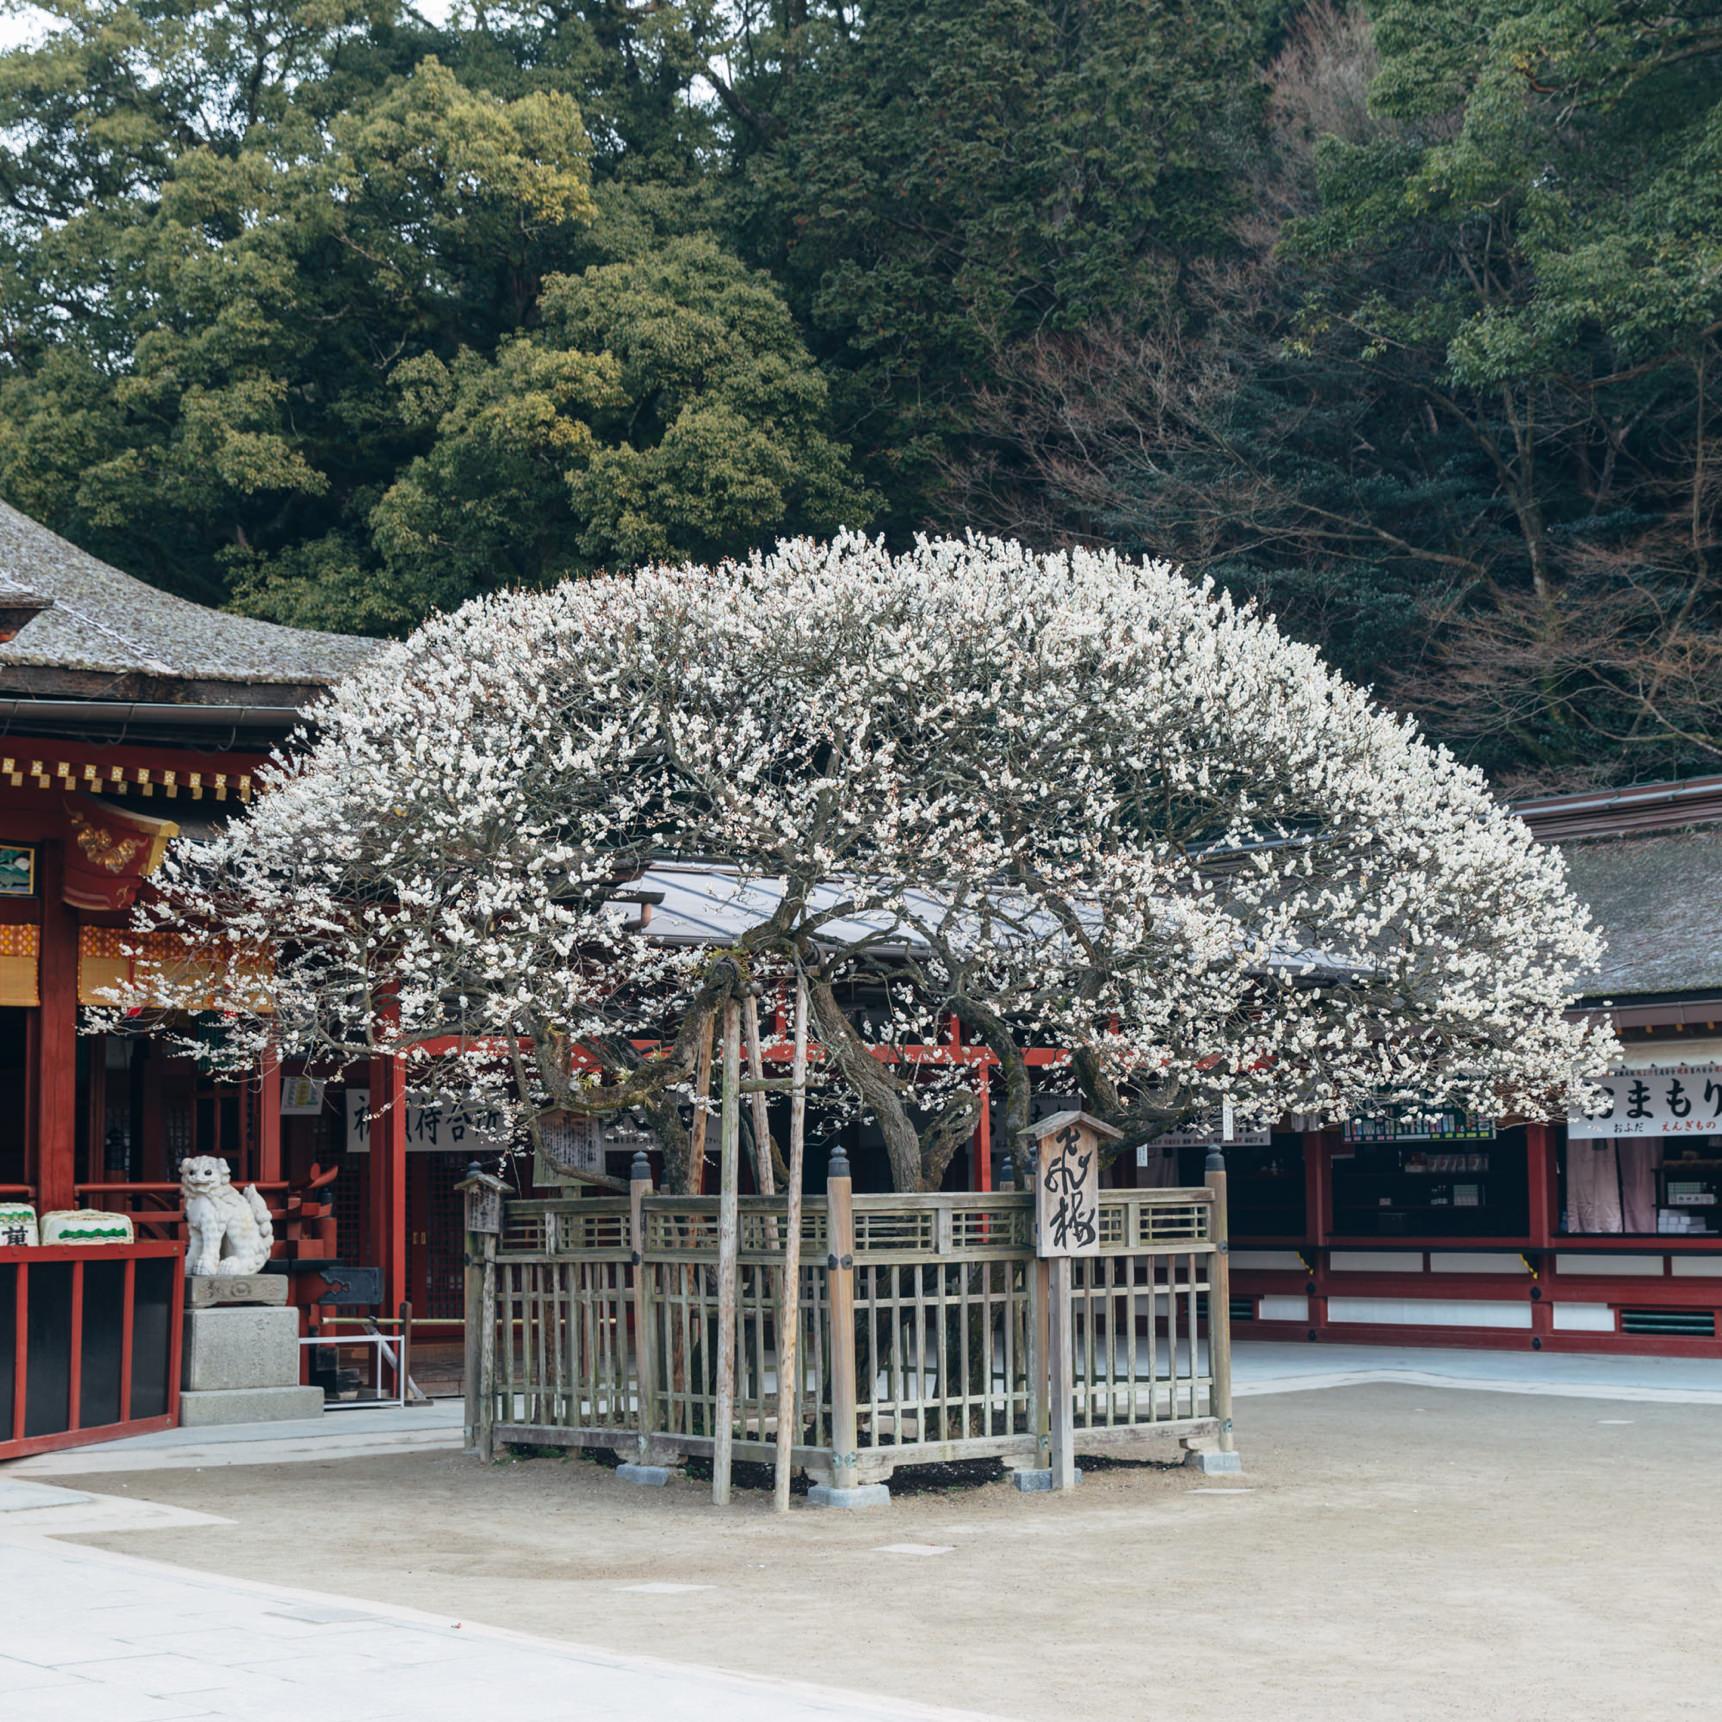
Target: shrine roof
1658,901
83,628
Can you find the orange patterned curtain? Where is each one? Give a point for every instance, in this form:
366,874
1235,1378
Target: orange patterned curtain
20,965
103,964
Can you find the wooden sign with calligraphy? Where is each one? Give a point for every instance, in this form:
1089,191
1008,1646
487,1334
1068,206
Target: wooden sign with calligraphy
1067,1183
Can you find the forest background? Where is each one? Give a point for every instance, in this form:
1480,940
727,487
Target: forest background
1403,323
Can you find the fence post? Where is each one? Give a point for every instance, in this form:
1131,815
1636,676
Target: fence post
482,1193
789,1367
1220,1300
723,1432
840,1274
487,1354
1061,1377
1040,1363
645,1367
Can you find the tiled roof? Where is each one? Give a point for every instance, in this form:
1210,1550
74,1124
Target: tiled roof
105,634
1614,812
1658,901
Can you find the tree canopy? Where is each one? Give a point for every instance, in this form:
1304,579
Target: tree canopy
1073,801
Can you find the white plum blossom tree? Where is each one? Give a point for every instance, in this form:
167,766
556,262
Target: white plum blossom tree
1071,800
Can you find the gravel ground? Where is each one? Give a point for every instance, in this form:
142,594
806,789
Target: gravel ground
1390,1552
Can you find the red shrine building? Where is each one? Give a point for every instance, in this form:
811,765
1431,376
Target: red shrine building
127,717
1600,1234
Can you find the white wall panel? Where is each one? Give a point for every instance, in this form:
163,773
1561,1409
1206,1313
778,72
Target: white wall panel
1428,1312
1584,1317
1474,1262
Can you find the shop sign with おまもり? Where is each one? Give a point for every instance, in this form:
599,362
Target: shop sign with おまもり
1669,1100
1067,1184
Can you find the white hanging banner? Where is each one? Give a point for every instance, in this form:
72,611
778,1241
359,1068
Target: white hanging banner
1664,1100
453,1128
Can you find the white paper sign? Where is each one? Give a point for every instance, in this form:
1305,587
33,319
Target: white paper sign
1668,1100
301,1096
449,1129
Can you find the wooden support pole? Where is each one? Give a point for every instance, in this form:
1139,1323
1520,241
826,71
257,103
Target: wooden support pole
269,1117
1040,1305
723,1434
1061,1374
982,1147
789,1300
645,1369
389,1143
765,1178
1219,1304
472,1374
487,1355
702,1094
840,1267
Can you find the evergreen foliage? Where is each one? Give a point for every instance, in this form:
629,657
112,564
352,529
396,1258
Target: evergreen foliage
1403,321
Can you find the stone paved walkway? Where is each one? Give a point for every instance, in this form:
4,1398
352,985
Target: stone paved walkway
1268,1366
89,1636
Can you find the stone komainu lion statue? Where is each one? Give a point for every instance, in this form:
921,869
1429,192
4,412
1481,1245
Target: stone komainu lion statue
226,1232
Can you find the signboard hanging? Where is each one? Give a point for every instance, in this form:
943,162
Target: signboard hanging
572,1143
1067,1183
452,1128
1204,1131
1664,1100
302,1096
17,870
1413,1126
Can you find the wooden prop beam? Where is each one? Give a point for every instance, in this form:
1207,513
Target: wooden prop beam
789,1303
765,1178
728,1247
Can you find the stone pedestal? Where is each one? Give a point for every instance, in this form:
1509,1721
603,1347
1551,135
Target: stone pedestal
205,1291
240,1362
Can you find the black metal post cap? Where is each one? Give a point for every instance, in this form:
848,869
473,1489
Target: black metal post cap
640,1172
838,1167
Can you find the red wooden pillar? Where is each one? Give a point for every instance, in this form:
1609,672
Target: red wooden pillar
1317,1218
269,1119
388,1180
1544,1193
1544,1186
56,1044
1317,1185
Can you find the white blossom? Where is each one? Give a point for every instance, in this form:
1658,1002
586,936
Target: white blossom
1075,801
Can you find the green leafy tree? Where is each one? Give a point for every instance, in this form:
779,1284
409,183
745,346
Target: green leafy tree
1450,408
1532,253
935,179
664,408
290,319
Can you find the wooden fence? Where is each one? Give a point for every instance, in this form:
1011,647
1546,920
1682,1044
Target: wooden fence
929,1330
